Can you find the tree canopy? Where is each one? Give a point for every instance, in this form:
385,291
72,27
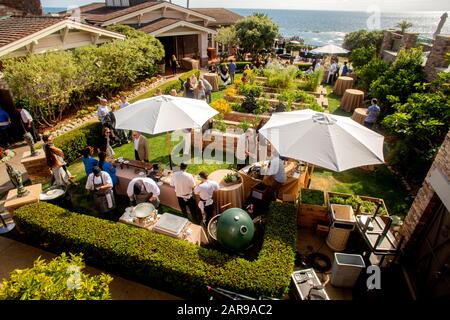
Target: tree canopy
256,32
363,38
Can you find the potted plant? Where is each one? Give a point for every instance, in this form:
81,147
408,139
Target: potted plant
312,208
232,178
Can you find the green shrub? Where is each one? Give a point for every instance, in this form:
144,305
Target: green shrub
279,76
311,196
304,66
310,82
75,141
176,265
249,105
253,89
59,279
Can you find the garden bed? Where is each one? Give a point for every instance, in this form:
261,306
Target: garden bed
172,265
312,208
272,102
360,204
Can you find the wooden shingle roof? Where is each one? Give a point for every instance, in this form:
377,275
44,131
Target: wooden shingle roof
223,16
16,28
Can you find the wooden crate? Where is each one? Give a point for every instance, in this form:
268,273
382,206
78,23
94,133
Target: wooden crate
309,215
364,198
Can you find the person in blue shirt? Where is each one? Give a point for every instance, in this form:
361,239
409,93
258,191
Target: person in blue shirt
88,161
232,70
372,114
5,124
345,69
107,167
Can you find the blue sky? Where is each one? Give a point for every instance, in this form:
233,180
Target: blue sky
351,5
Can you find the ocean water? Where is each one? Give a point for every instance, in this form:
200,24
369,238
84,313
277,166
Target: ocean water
323,27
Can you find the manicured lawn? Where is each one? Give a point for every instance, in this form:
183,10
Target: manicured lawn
380,183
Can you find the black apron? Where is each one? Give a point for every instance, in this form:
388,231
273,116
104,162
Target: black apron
100,200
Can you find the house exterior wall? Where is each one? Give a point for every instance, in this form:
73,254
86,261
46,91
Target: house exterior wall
426,200
74,39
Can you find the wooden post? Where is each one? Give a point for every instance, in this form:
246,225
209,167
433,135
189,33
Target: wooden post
169,149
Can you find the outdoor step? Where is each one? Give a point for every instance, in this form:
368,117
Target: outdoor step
231,123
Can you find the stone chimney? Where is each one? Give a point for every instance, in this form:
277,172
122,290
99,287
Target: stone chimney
27,7
436,61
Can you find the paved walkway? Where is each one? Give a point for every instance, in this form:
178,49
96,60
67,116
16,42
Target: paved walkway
16,255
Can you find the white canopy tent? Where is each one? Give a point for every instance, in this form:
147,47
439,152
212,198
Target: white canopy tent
164,114
333,142
329,49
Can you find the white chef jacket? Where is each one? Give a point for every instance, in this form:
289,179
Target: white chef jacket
206,191
184,183
91,180
149,184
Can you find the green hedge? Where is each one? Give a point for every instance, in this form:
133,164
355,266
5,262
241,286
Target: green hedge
304,66
173,265
75,141
239,65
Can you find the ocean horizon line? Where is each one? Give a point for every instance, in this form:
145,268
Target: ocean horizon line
294,9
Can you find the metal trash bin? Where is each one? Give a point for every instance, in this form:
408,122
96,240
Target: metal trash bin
343,222
346,269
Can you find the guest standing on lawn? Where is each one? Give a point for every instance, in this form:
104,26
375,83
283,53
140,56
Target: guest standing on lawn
99,184
123,104
372,114
174,64
88,161
208,88
200,92
232,68
5,125
102,110
140,147
107,167
206,192
56,163
188,89
224,75
105,142
345,69
184,184
28,123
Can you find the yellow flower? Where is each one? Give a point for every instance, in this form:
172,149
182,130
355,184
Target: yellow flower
222,106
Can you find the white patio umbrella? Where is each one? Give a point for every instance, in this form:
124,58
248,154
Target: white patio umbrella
330,49
163,114
332,142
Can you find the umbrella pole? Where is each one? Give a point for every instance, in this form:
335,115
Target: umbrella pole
168,144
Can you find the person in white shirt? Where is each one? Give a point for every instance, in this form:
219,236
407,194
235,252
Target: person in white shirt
331,72
317,66
100,184
28,123
206,192
102,110
184,184
143,190
123,102
278,174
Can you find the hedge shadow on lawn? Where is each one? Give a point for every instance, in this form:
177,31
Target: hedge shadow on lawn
172,265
